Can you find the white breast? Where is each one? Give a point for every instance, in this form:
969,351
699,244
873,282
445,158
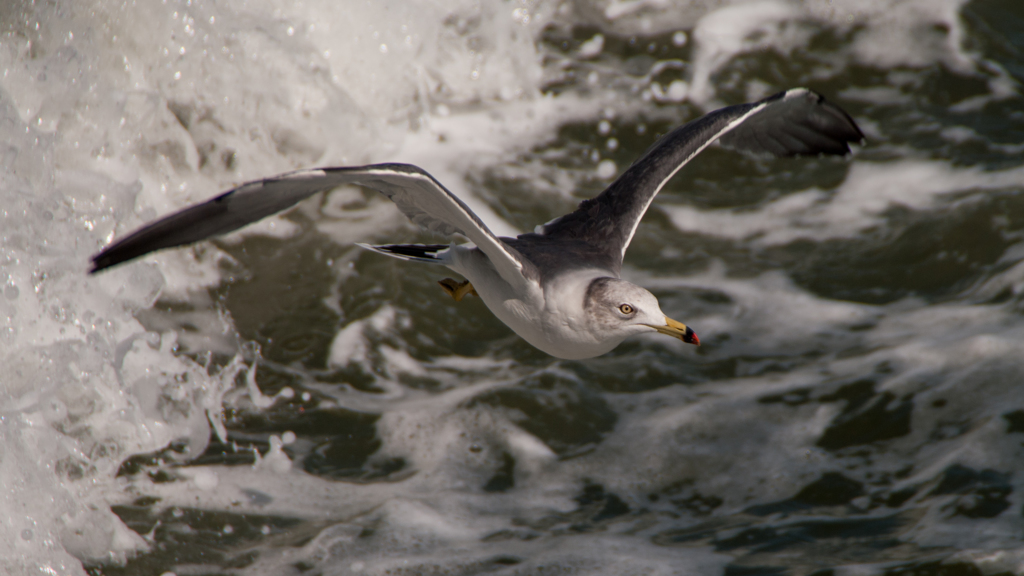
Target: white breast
551,319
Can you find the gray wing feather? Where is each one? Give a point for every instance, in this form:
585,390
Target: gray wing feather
416,193
799,122
225,213
790,123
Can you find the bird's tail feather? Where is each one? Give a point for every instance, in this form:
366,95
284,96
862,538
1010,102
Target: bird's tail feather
414,252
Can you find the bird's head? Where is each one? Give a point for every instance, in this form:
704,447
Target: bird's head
623,309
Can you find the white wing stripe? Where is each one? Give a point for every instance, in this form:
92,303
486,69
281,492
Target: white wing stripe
302,174
679,166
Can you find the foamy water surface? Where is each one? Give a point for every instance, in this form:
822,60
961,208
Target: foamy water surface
281,402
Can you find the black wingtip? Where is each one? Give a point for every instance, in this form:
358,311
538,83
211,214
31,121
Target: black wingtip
100,264
102,261
426,251
849,132
795,122
123,251
179,229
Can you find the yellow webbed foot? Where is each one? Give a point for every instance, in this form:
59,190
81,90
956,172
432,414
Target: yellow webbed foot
457,290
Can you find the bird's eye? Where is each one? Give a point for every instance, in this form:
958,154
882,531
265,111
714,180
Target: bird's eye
626,309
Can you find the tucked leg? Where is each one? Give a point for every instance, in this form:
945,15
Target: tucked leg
457,290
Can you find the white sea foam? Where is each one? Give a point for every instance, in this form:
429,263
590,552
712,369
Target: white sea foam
113,114
739,28
888,33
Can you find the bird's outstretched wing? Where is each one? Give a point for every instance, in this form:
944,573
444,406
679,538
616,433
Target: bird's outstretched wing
416,193
790,123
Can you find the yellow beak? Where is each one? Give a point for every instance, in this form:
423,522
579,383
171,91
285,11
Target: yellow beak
677,330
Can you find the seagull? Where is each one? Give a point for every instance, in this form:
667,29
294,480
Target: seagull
559,287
